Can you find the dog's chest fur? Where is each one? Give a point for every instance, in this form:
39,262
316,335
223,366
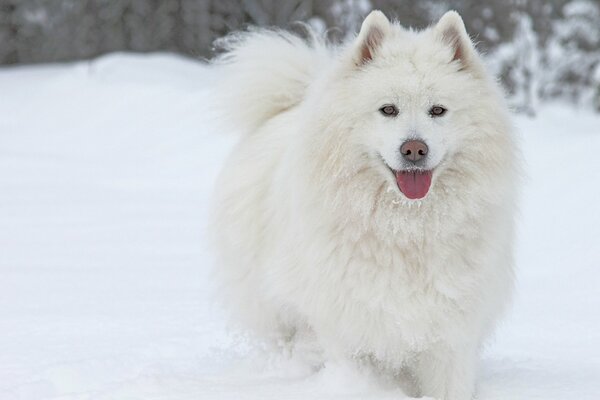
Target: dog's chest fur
387,293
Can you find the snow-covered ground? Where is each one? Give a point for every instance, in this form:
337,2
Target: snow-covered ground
106,170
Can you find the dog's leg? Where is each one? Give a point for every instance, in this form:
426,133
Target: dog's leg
447,372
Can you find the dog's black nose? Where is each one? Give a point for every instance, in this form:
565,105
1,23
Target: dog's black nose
414,150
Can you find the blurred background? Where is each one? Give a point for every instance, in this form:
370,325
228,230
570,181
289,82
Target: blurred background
542,50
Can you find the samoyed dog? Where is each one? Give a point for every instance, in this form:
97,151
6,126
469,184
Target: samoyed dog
368,208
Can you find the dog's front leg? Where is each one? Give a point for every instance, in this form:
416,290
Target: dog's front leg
447,372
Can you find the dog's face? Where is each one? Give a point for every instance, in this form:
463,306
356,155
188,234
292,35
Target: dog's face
414,98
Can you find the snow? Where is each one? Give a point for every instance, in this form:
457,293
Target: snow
106,170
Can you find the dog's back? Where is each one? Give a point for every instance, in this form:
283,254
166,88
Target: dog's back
265,77
266,72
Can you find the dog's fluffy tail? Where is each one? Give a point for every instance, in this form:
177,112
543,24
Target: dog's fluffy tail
265,72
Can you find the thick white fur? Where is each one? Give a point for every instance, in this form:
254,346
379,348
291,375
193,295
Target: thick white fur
314,239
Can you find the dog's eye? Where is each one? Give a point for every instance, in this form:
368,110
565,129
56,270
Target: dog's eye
437,111
389,110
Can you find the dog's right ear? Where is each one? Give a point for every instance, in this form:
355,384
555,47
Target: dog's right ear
451,30
373,31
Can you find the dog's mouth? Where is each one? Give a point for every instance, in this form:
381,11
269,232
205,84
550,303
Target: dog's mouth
415,183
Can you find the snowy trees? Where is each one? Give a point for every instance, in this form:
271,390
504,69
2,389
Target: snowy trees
518,62
552,53
573,56
41,31
542,50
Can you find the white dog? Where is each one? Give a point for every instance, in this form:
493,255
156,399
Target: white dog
370,203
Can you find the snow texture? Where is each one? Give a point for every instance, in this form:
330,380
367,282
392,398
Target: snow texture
106,171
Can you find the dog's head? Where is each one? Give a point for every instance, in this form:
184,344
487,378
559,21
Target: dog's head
415,99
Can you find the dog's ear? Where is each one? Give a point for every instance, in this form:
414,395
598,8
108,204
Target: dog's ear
373,31
451,30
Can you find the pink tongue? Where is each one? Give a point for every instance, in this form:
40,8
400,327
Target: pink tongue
414,184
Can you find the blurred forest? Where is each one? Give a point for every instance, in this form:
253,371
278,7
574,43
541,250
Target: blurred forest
542,50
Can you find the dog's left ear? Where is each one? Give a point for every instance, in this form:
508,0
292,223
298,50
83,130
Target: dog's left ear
373,31
451,30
